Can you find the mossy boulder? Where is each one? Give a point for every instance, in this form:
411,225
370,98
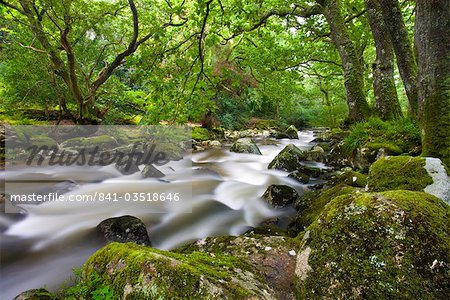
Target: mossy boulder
151,171
388,148
36,294
131,271
317,154
388,245
104,142
290,133
410,173
200,134
279,196
172,151
299,176
349,177
311,205
42,140
272,256
288,159
245,145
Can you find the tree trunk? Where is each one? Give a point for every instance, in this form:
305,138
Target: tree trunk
386,99
432,37
353,70
406,61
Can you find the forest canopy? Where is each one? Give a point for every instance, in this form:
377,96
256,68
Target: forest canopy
224,62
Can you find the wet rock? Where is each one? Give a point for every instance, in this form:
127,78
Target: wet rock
215,144
280,195
151,171
104,142
124,229
396,239
272,256
288,159
310,170
299,176
290,133
245,145
316,154
127,168
137,272
348,177
36,294
310,205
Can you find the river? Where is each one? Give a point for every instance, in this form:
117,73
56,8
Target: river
40,248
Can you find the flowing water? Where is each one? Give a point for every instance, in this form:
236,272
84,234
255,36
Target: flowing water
41,247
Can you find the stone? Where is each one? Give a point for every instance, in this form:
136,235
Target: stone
396,240
410,173
310,170
288,159
316,154
151,171
124,229
276,265
299,176
138,272
36,294
280,196
245,145
215,144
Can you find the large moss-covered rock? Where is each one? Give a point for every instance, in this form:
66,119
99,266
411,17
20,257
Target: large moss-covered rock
290,133
131,271
398,173
200,134
388,245
43,141
288,159
279,196
317,153
104,142
272,256
36,294
311,205
410,173
245,145
348,177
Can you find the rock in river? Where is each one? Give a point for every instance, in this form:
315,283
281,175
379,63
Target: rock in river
280,195
124,229
245,145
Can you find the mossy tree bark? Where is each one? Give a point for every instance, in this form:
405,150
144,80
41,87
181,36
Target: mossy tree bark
353,70
386,99
406,61
432,37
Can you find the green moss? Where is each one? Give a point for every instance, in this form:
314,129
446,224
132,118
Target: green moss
100,140
396,136
138,272
388,245
42,140
288,159
350,178
200,134
311,205
390,149
398,173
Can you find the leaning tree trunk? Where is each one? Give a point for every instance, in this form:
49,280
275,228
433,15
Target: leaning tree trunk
353,70
386,99
406,62
432,37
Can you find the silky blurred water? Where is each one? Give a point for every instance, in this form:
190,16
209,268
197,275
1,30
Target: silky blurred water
42,247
